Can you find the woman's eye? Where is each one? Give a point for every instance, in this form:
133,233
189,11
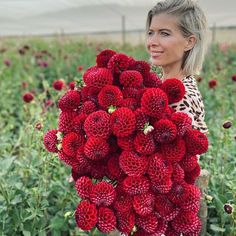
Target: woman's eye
164,33
150,32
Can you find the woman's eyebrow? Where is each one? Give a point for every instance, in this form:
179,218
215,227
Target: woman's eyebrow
162,29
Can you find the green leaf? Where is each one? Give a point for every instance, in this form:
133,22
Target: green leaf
57,223
26,233
216,228
17,199
5,164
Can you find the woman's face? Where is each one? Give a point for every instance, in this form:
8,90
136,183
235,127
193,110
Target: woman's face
165,43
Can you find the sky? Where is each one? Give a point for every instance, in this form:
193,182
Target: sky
45,16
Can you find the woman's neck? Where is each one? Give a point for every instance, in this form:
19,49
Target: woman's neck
178,74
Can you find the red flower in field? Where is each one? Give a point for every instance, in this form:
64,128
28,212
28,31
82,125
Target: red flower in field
58,84
199,79
7,62
38,126
174,89
234,78
212,83
86,215
25,84
104,57
80,68
28,97
228,208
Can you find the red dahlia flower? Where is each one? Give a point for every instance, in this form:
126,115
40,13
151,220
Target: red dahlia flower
28,97
70,101
106,220
131,78
83,186
104,56
174,89
118,63
97,124
50,141
123,122
102,194
58,84
86,215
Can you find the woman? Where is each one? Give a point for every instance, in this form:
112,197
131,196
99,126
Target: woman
176,41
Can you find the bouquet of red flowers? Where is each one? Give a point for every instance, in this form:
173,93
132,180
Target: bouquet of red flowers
133,158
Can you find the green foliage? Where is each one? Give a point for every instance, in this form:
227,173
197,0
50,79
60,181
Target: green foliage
36,197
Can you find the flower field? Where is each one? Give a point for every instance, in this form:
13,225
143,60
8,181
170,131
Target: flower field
37,196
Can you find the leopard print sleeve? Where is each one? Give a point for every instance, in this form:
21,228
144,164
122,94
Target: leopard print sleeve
192,104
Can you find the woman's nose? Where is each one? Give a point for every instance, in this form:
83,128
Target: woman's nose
153,41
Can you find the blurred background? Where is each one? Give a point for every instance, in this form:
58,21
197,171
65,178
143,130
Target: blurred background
122,21
46,47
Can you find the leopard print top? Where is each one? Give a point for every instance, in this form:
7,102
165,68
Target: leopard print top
192,104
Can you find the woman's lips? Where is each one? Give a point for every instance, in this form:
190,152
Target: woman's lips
155,54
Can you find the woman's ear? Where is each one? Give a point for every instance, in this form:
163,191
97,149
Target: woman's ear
190,42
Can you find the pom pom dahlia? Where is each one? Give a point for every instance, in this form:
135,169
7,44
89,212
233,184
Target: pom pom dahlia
131,78
174,89
97,124
106,220
102,194
123,122
50,141
70,101
86,215
154,102
83,186
104,56
118,63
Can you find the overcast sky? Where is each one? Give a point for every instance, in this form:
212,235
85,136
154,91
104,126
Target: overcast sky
20,15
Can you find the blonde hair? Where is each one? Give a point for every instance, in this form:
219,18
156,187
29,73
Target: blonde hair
191,21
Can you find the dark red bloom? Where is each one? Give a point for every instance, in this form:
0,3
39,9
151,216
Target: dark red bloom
141,118
96,148
70,101
50,141
72,85
133,164
114,172
58,84
164,131
80,68
165,208
144,204
152,80
228,208
96,78
28,97
103,57
144,143
174,89
110,95
71,142
65,123
148,223
86,215
174,151
97,124
106,220
186,222
196,142
126,143
83,186
154,102
123,122
125,222
212,83
182,121
142,66
131,78
133,185
118,63
102,194
188,163
227,124
191,176
234,78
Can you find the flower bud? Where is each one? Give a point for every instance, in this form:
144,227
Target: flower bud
227,124
228,208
